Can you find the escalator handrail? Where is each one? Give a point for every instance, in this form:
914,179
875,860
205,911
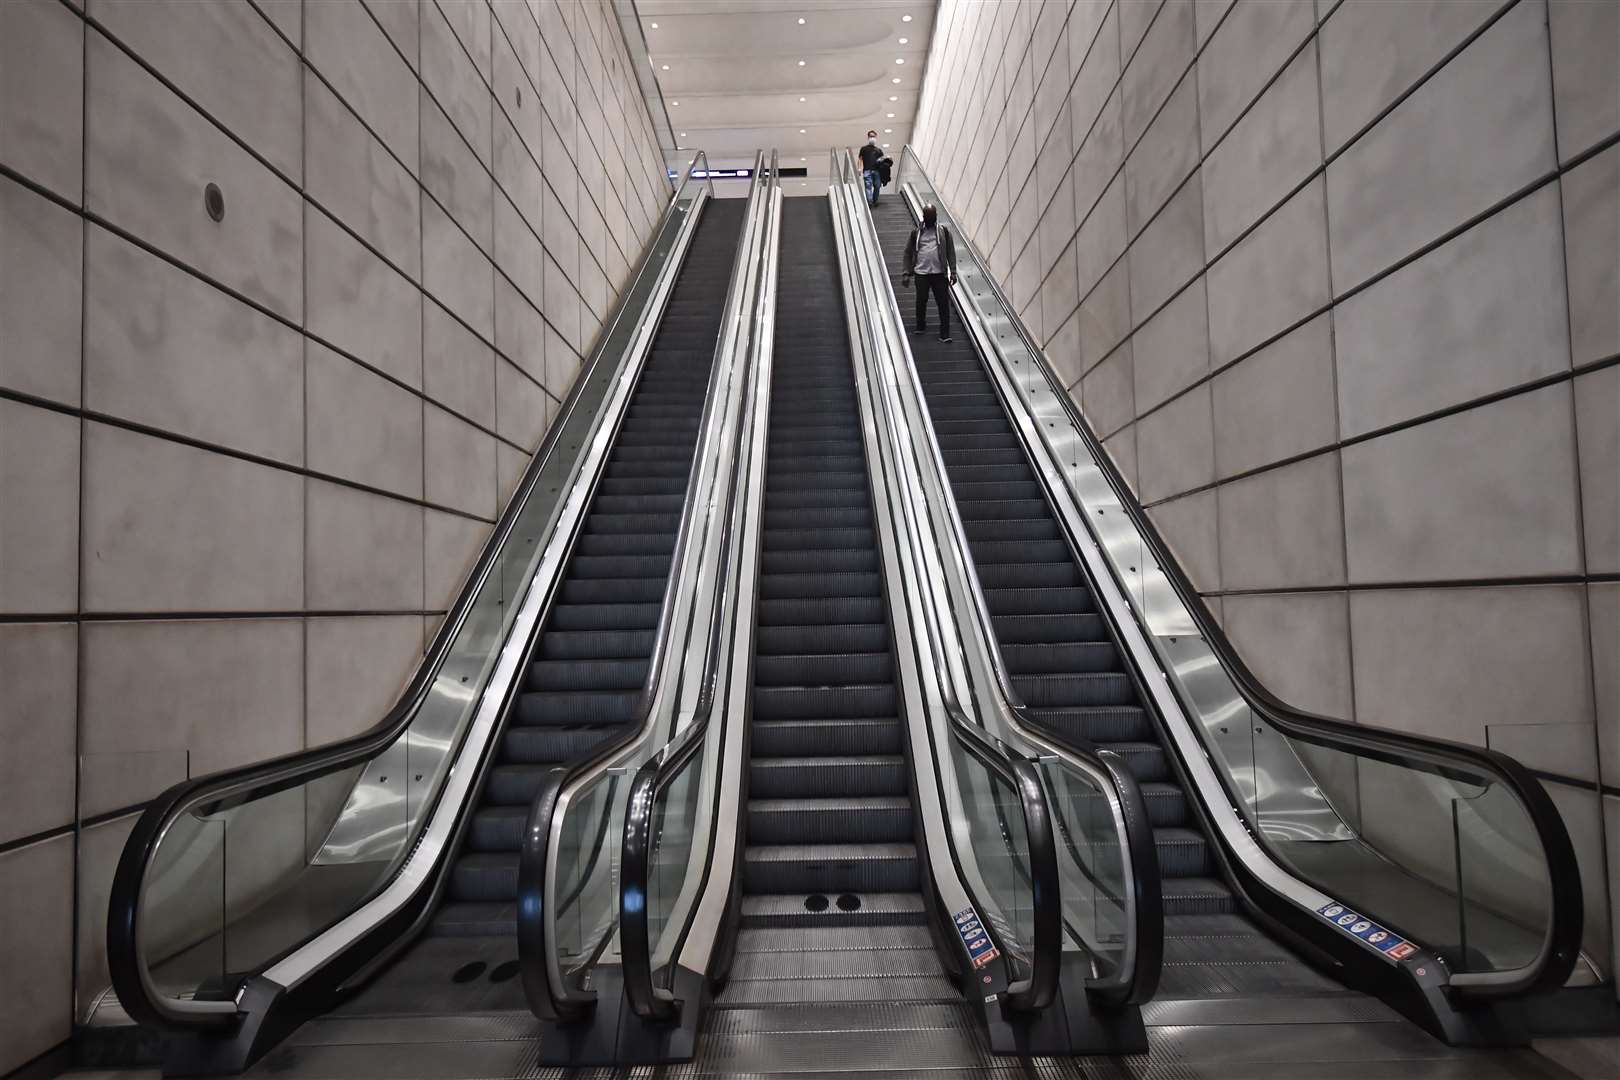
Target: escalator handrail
1561,945
1010,766
130,976
661,770
549,996
1137,980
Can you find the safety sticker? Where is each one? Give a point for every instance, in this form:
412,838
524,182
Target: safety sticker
980,949
1359,926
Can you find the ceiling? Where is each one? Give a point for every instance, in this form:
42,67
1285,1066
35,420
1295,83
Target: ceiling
798,76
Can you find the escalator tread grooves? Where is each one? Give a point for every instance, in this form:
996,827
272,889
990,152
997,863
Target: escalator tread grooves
596,645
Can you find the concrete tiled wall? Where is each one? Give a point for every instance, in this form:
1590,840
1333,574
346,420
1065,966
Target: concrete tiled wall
1339,286
245,464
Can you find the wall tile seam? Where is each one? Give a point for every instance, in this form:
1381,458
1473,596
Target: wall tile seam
96,219
1454,233
80,618
89,215
109,420
495,182
1043,138
496,101
1271,80
573,91
1125,63
1454,409
1526,581
981,72
947,45
1204,154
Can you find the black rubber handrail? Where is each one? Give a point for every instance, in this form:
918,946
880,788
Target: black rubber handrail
127,968
656,774
533,904
1010,766
1444,757
1138,984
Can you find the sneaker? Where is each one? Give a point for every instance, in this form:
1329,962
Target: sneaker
946,340
920,331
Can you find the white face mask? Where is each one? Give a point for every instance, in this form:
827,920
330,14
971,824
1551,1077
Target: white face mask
871,141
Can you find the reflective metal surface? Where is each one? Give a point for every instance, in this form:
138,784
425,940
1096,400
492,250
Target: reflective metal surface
1286,804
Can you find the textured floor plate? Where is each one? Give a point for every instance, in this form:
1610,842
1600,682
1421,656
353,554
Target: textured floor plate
1289,1009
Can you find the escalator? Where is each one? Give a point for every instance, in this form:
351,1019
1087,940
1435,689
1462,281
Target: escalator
378,878
1067,666
843,871
1271,859
584,683
832,909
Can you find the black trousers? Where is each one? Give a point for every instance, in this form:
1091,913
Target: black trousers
936,284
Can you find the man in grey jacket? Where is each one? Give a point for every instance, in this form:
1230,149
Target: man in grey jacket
931,256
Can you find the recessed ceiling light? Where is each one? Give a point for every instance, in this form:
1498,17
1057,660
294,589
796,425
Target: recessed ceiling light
655,25
893,98
889,115
896,79
801,131
903,18
801,20
683,134
801,159
666,67
674,103
885,146
888,131
904,40
801,99
899,59
801,63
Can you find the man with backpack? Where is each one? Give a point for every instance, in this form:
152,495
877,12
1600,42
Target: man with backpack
931,256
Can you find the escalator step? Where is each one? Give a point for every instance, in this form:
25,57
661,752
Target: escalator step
596,644
1183,853
805,562
830,868
1124,723
818,538
826,738
497,828
826,777
999,509
1049,629
1090,688
1063,601
636,590
809,702
625,544
1024,549
588,674
822,611
871,819
787,640
822,669
877,909
549,745
803,525
1074,656
793,586
484,876
620,566
1029,575
604,616
567,708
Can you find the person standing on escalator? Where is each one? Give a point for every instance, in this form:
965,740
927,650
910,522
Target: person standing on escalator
871,167
931,256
